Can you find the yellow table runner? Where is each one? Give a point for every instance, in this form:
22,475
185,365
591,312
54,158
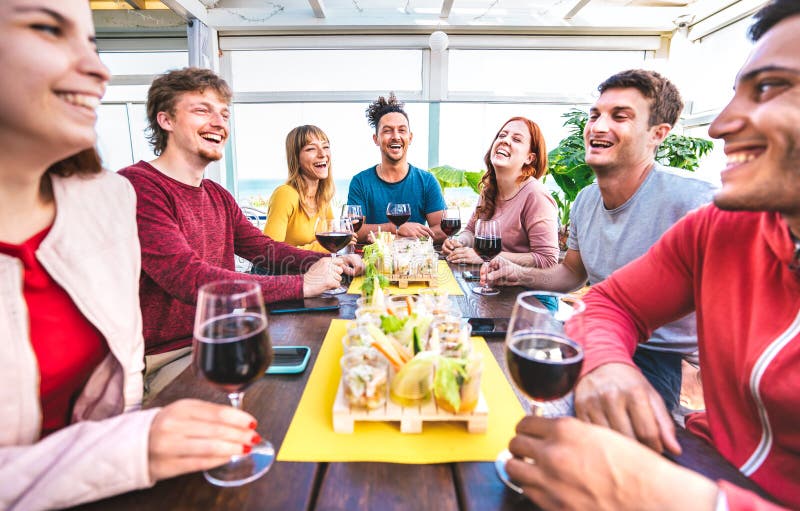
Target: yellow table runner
311,436
446,281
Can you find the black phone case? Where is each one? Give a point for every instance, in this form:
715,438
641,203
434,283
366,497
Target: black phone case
489,327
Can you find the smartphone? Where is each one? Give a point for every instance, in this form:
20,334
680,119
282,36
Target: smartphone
320,304
289,359
489,327
469,276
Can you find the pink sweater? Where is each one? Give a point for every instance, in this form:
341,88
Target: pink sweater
189,235
528,223
739,271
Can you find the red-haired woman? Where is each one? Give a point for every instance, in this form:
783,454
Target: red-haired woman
513,196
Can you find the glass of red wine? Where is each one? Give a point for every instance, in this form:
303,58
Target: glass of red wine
355,214
541,356
398,213
232,350
451,221
334,234
487,244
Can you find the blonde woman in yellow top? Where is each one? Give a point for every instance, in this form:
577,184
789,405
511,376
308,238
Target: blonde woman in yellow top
294,207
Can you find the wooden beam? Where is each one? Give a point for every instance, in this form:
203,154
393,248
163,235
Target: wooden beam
137,4
578,6
447,5
188,9
318,7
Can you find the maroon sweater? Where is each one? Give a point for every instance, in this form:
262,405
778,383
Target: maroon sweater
189,236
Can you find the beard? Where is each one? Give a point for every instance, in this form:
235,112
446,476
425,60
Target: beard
210,155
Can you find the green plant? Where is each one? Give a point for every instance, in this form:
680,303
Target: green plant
569,170
449,177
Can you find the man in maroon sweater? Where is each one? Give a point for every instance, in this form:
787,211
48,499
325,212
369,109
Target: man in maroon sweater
190,228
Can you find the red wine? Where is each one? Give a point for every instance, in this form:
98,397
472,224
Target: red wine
399,220
357,222
544,366
451,226
487,248
334,241
233,351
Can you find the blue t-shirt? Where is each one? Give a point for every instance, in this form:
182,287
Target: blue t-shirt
419,189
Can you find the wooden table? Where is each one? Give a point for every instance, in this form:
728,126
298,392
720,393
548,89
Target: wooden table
349,486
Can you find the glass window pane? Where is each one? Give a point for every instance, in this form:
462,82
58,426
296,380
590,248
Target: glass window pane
113,137
717,59
465,148
121,93
529,72
326,70
141,147
260,135
144,63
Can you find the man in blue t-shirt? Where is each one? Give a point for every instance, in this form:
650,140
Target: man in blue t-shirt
395,180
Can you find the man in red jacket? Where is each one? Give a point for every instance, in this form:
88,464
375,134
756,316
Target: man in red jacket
190,228
737,263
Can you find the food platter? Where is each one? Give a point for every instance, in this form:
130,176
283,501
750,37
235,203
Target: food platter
406,260
409,359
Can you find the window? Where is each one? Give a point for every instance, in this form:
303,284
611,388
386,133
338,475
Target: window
547,74
122,120
327,70
260,137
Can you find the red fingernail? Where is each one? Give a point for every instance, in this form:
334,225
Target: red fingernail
256,439
252,425
246,449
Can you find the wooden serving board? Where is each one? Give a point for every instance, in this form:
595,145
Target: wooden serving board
410,417
432,280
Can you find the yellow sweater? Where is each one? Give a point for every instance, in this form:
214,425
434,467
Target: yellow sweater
287,222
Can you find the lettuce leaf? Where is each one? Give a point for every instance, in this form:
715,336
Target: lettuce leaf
450,374
392,324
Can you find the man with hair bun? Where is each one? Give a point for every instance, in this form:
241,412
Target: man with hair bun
395,180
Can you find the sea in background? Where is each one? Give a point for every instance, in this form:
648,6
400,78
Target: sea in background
256,193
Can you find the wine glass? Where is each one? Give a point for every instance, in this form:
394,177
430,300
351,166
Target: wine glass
451,221
542,358
232,350
334,235
355,214
487,244
398,213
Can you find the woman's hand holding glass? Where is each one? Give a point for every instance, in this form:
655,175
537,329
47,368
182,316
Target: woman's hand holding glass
231,351
191,435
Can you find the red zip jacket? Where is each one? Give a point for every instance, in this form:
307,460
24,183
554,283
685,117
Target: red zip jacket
739,270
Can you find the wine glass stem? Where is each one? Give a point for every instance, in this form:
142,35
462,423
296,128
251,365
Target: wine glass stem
236,399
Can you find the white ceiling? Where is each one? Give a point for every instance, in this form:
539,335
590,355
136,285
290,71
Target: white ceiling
423,16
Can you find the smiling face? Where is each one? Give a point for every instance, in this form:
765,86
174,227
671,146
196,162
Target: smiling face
512,148
617,135
393,137
199,126
315,159
52,78
761,127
